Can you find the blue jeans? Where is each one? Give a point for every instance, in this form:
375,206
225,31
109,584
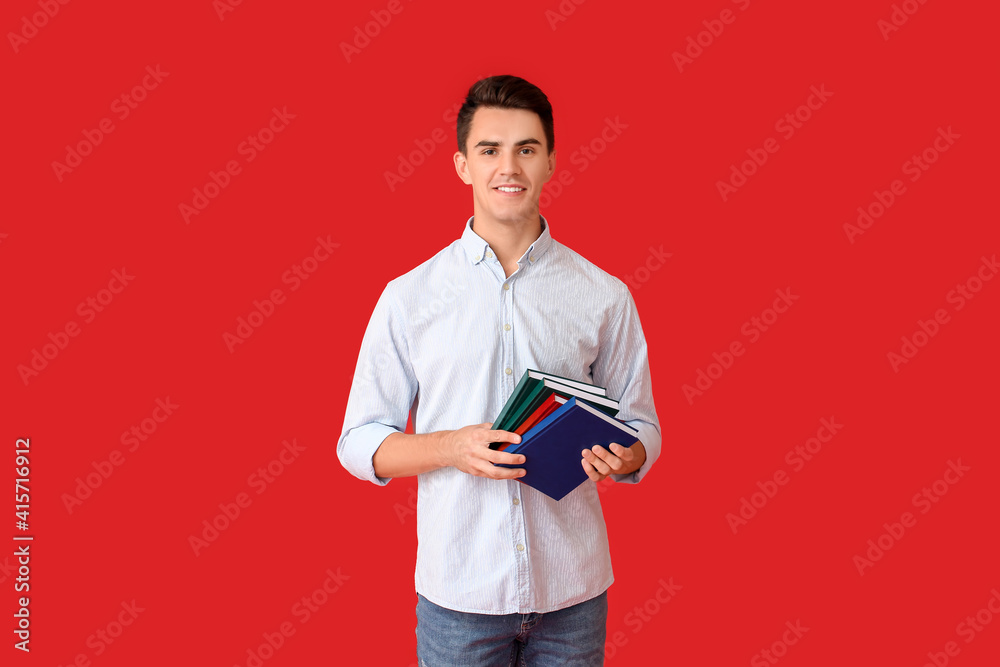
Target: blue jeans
570,637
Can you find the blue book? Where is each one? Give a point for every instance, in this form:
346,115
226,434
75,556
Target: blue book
552,447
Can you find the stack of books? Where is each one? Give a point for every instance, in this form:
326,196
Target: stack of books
557,418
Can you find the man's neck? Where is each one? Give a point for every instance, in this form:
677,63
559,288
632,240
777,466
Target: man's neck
509,240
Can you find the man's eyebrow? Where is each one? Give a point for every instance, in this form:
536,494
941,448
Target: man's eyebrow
522,142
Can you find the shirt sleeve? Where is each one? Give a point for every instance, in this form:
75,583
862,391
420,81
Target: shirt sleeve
382,391
623,368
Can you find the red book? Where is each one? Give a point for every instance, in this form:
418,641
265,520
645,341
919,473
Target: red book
548,406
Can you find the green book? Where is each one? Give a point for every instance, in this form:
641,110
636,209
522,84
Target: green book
512,400
533,396
549,387
535,386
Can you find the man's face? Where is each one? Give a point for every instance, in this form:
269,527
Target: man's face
506,163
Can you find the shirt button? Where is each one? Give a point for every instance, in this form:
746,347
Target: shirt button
531,258
489,255
477,258
520,547
507,371
517,501
506,327
506,287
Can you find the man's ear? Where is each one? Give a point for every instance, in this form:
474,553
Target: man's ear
552,166
462,167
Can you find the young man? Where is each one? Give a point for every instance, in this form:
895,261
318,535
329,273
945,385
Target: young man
505,575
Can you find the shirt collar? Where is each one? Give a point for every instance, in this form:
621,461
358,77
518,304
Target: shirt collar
476,246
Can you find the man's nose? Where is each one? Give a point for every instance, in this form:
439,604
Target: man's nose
509,164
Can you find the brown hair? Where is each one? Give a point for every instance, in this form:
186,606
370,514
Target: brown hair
505,92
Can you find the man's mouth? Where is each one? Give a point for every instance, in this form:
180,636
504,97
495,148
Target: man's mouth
510,189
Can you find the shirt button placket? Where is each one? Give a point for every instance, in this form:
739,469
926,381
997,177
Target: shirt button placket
506,338
520,539
521,553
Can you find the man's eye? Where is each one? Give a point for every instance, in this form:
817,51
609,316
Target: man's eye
530,150
489,151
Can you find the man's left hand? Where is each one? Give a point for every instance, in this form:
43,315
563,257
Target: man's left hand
599,462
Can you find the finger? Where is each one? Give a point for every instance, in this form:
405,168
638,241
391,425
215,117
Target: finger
503,436
591,473
496,456
599,464
500,472
506,473
609,458
614,461
623,452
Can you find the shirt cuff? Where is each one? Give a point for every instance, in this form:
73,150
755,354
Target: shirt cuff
358,447
650,439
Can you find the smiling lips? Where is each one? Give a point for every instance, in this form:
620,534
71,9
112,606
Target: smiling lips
510,189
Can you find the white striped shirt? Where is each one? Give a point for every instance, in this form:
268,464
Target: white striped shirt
449,340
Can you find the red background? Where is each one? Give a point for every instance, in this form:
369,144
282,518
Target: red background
655,185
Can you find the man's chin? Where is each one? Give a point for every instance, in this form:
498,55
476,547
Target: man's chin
515,217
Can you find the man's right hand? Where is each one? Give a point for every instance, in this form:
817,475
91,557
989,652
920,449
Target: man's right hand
468,449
